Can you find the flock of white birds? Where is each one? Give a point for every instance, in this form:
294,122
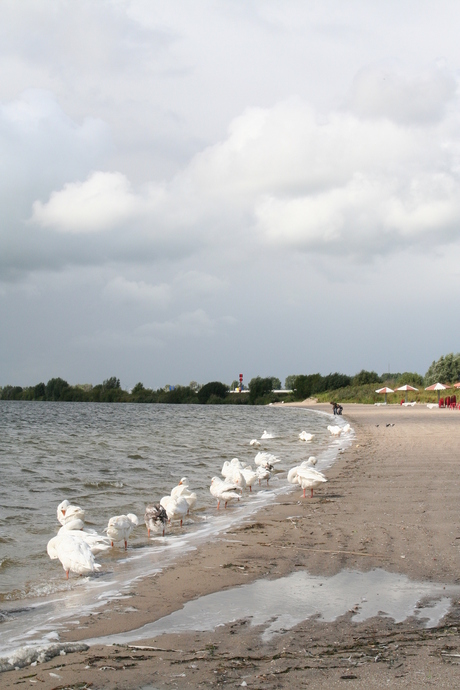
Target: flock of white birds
76,547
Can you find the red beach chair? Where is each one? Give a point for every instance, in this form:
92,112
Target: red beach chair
447,401
441,402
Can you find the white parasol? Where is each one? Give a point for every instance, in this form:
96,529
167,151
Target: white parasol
385,390
437,387
407,388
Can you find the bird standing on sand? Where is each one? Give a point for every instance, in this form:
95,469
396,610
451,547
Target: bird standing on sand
120,528
74,554
70,516
306,476
224,491
176,509
155,516
182,489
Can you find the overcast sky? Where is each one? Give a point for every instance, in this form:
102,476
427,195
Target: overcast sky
193,190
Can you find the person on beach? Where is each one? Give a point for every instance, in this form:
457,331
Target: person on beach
334,407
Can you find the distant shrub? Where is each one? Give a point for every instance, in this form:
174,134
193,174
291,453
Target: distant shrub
214,389
365,377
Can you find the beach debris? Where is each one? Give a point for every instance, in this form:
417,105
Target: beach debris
33,655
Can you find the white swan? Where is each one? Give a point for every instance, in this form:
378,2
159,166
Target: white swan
307,477
182,489
67,513
155,517
263,472
250,476
74,554
266,435
335,430
224,491
254,442
177,509
305,436
120,528
263,459
96,542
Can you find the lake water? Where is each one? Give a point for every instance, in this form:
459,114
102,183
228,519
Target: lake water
113,459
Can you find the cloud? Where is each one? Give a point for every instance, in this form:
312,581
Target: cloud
191,324
380,91
364,181
138,292
102,202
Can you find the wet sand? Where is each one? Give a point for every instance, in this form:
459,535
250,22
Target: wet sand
391,502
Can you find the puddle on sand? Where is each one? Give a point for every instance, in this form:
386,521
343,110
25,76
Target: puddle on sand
282,604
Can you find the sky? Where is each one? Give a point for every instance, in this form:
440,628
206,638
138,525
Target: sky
194,190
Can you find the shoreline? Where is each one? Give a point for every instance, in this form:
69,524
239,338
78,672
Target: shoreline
390,502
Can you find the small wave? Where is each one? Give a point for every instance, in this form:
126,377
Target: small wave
103,485
8,563
135,456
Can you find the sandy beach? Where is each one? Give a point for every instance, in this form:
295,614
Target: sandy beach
391,502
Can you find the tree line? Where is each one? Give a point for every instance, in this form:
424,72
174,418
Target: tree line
260,389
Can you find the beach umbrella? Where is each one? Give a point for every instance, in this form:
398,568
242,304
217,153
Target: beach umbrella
407,388
457,385
385,390
437,387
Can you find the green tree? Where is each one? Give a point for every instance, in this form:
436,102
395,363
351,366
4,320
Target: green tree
366,377
111,383
213,388
276,383
410,377
289,382
446,370
39,391
259,387
55,389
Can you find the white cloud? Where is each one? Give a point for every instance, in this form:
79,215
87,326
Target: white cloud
102,202
348,183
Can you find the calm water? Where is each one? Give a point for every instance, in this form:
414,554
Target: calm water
114,459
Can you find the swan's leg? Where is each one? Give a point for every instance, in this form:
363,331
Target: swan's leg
303,495
66,574
218,503
111,543
311,494
250,489
148,531
226,503
181,522
126,545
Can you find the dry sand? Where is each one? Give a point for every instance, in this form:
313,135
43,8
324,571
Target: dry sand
391,502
